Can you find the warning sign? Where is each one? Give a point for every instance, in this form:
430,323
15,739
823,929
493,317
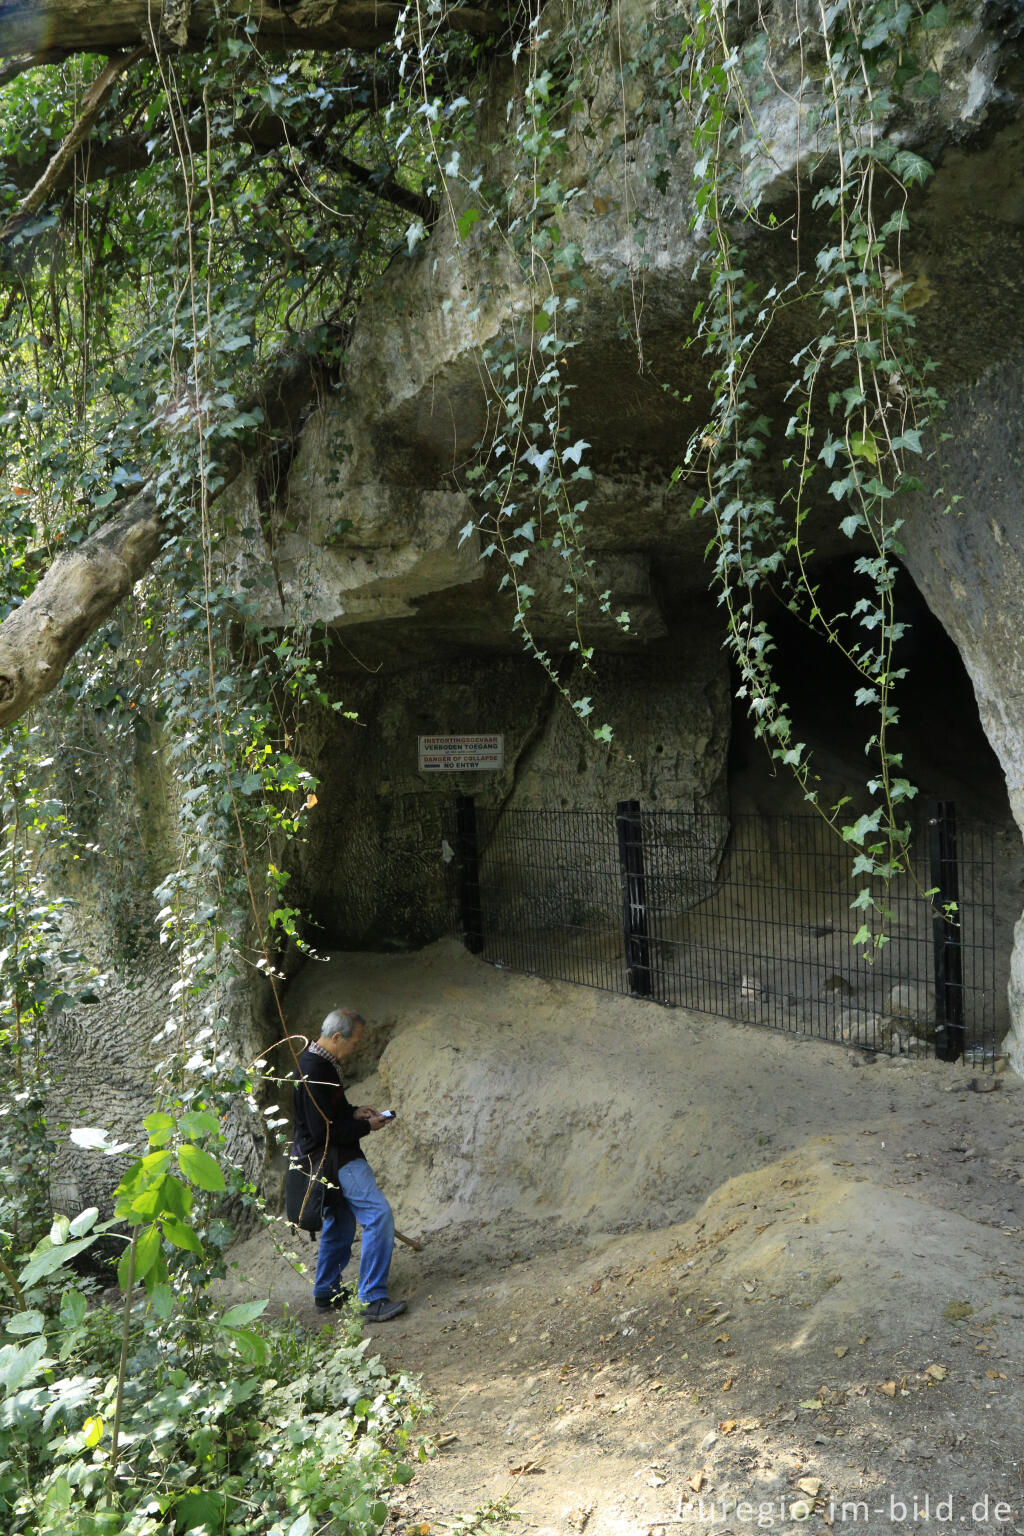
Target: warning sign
461,754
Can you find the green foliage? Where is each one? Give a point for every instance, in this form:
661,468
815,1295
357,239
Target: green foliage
181,1416
861,407
169,319
529,477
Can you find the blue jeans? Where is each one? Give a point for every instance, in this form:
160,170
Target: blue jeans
363,1203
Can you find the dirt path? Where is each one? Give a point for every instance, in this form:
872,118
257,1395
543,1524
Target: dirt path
833,1332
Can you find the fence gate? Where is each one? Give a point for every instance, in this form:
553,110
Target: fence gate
746,917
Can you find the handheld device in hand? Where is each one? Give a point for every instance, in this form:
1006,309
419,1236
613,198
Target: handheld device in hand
387,1114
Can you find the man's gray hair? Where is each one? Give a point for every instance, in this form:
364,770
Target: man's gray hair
341,1021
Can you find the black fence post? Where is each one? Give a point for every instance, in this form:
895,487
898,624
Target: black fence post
947,933
471,917
634,897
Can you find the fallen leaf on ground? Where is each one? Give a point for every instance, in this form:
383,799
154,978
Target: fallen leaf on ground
721,1338
937,1372
696,1482
841,1350
888,1387
996,1375
810,1402
727,1383
727,1426
811,1485
526,1466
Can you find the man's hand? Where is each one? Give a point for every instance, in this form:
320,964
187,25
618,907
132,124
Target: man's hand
374,1116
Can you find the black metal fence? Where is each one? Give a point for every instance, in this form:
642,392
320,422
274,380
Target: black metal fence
746,917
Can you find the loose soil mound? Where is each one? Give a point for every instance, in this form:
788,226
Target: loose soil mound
681,1273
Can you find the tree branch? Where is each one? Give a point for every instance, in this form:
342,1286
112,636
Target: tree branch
124,155
93,102
51,29
78,592
83,587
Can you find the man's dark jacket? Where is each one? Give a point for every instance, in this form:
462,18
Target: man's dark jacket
326,1129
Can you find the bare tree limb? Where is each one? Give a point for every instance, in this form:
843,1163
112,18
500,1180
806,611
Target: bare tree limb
93,102
83,586
15,67
51,29
78,592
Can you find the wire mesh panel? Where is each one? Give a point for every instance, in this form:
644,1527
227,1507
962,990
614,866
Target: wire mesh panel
746,917
549,895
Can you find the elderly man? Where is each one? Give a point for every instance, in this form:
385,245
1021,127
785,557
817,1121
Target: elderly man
328,1133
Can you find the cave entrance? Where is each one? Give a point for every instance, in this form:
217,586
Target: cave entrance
749,914
939,733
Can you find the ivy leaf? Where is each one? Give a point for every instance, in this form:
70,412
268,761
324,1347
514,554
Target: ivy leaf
860,829
911,440
575,453
465,221
865,446
200,1168
910,168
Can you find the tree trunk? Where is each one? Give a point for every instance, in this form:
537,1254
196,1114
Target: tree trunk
49,29
83,587
78,592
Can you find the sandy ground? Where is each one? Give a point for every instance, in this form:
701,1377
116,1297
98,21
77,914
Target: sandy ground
681,1274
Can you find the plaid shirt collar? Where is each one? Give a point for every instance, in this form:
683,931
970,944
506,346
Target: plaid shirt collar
316,1049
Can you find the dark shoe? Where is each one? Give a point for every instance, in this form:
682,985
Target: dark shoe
342,1296
382,1311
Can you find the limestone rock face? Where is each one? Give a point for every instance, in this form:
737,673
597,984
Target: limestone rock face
383,546
968,560
375,537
